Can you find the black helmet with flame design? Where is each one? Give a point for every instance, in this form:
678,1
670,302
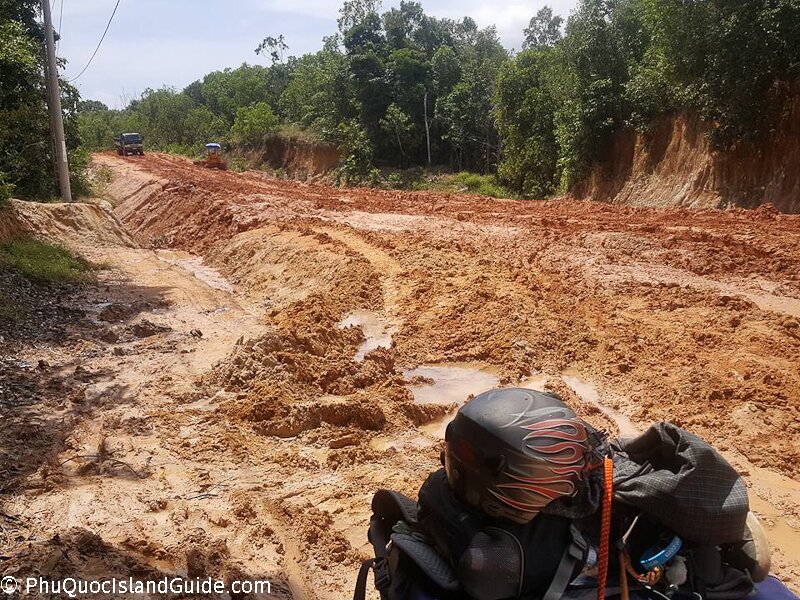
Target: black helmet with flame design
510,452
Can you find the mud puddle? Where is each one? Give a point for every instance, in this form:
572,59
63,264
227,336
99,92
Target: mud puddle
451,384
769,494
454,384
438,427
195,265
588,393
376,332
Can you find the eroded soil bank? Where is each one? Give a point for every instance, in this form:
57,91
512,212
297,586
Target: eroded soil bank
674,164
262,444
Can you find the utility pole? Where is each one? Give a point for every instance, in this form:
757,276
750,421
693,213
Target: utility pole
54,103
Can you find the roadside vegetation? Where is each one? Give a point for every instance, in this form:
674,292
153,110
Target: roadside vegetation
44,263
442,180
400,89
26,161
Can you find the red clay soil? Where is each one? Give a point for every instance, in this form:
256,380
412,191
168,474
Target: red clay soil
692,317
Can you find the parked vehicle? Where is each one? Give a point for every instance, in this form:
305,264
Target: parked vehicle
129,143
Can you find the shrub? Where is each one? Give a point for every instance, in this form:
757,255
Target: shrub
485,185
239,164
6,189
253,123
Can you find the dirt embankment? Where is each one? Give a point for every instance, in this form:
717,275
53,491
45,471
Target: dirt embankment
299,158
672,165
71,225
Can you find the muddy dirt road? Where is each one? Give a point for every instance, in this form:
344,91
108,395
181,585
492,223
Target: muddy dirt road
339,327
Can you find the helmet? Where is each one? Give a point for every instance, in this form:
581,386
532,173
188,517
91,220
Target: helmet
510,452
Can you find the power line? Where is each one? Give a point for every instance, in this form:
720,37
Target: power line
60,19
98,43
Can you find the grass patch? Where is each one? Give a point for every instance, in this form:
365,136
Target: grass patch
238,164
43,262
474,183
440,181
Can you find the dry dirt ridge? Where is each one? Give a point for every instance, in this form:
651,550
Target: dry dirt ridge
231,403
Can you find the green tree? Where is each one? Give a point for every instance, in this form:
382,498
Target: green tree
319,93
253,123
25,147
399,127
544,30
202,126
526,123
224,92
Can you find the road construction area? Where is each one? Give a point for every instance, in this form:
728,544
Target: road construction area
258,356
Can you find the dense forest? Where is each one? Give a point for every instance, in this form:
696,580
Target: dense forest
402,89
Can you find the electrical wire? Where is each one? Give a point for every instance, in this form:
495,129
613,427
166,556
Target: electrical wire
60,20
98,43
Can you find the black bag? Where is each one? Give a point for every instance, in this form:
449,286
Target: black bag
406,564
680,480
444,550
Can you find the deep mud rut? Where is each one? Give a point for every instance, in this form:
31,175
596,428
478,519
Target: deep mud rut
253,449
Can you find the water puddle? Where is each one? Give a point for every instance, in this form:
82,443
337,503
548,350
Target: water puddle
375,331
783,532
451,384
455,383
195,265
588,393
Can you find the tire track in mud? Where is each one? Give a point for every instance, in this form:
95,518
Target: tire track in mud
299,586
394,288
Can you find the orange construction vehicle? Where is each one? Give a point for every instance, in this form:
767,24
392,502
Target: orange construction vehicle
213,158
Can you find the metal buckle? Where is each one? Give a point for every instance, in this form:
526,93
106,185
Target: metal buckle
383,579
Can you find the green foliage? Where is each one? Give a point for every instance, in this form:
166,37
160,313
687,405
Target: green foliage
79,160
317,96
224,92
253,123
526,121
393,88
398,126
485,185
357,166
274,46
43,262
544,30
238,164
6,190
24,133
190,150
91,106
406,179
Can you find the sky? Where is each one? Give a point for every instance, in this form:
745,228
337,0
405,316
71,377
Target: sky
152,43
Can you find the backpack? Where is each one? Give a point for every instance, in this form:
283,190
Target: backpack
442,550
676,482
